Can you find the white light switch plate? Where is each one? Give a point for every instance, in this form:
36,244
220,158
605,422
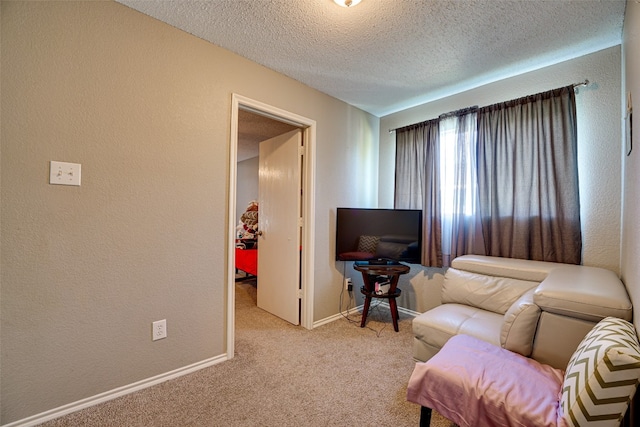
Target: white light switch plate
63,173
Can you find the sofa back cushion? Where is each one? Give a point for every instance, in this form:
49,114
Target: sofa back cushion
522,269
602,375
490,293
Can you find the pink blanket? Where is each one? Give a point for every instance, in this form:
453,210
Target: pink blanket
475,384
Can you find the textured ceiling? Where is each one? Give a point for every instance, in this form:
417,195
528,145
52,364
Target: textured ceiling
387,55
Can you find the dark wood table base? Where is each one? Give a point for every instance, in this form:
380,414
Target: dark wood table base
370,272
392,305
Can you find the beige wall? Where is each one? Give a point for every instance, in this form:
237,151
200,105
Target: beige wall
599,147
145,109
630,252
247,185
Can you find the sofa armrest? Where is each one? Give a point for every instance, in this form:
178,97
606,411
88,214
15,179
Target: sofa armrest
519,325
587,293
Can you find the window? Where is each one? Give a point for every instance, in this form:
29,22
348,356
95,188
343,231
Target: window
474,173
456,159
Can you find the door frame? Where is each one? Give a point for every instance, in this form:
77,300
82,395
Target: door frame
308,127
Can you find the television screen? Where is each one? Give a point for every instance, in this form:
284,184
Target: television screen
365,234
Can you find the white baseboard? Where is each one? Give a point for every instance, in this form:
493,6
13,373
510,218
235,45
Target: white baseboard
140,385
359,308
400,309
335,317
112,394
407,311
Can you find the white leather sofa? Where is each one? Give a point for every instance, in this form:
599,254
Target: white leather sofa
538,309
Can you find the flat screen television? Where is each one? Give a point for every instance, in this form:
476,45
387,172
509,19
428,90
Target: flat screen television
366,234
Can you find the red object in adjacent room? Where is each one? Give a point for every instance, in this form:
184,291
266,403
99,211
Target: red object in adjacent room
247,260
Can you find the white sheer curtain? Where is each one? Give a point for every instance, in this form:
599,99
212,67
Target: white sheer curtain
461,225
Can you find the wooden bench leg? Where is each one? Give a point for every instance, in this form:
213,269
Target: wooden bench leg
365,311
394,312
425,416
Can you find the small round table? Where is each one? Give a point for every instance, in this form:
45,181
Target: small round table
371,269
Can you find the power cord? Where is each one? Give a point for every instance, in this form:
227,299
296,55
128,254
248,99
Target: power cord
373,308
375,311
351,303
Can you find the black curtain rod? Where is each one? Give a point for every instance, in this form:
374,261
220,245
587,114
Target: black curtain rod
453,113
584,83
461,112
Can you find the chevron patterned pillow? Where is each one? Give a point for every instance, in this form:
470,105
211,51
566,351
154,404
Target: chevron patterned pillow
602,375
368,244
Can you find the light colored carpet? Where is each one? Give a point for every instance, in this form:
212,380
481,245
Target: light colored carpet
283,375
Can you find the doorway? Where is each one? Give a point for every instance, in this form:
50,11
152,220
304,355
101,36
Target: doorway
308,128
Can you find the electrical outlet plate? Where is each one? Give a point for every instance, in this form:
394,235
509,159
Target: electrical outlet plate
159,330
347,283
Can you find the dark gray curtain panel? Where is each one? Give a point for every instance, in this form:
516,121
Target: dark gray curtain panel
528,178
417,183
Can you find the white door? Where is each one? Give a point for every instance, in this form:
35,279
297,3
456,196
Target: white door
279,200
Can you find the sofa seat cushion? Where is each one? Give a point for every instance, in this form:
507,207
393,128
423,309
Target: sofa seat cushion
491,293
437,325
